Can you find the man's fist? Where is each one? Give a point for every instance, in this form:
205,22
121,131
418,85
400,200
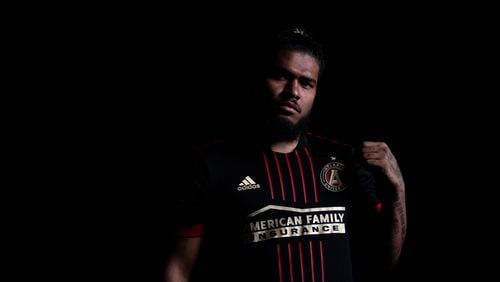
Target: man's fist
380,155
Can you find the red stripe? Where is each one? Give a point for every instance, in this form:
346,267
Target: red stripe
281,177
313,175
279,262
322,261
312,259
196,230
291,178
302,176
301,261
268,175
290,261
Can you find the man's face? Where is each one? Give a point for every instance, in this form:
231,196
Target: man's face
292,82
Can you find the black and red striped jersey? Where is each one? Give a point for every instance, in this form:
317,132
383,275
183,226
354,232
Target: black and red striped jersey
268,216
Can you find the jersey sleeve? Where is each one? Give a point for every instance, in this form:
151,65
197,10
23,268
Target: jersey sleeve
364,183
190,201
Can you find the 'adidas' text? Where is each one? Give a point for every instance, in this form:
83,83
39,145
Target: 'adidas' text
247,184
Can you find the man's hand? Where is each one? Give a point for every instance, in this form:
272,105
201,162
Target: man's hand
380,155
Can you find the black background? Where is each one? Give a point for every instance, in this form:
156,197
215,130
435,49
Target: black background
148,89
185,87
170,89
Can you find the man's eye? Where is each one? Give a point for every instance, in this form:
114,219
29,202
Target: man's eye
307,84
278,75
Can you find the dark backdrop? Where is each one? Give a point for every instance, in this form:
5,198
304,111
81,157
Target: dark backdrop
163,91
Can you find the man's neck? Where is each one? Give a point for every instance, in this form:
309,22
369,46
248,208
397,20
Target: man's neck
285,146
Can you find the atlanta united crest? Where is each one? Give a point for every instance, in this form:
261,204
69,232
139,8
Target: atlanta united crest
331,177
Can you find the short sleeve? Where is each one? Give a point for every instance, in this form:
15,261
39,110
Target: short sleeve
363,182
190,199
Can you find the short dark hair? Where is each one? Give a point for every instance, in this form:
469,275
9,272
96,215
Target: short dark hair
297,39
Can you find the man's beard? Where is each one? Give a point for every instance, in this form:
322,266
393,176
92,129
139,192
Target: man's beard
281,129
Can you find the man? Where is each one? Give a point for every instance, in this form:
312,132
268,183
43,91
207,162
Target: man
282,205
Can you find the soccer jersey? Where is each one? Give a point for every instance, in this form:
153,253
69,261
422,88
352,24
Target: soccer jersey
271,216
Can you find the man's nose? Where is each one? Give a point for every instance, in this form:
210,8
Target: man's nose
292,87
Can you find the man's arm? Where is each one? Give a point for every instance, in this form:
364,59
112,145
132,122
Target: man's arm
380,155
181,261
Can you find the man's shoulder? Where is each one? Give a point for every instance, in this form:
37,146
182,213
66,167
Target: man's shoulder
322,142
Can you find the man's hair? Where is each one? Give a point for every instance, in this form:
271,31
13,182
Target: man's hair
297,39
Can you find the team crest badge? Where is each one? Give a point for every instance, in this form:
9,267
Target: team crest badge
332,177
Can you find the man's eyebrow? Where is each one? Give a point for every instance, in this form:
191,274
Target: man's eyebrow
308,79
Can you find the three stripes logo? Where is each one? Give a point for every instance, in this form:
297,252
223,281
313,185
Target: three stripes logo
248,184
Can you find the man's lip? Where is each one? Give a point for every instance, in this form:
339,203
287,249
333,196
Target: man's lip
291,106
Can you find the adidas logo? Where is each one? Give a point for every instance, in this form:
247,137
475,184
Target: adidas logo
247,184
